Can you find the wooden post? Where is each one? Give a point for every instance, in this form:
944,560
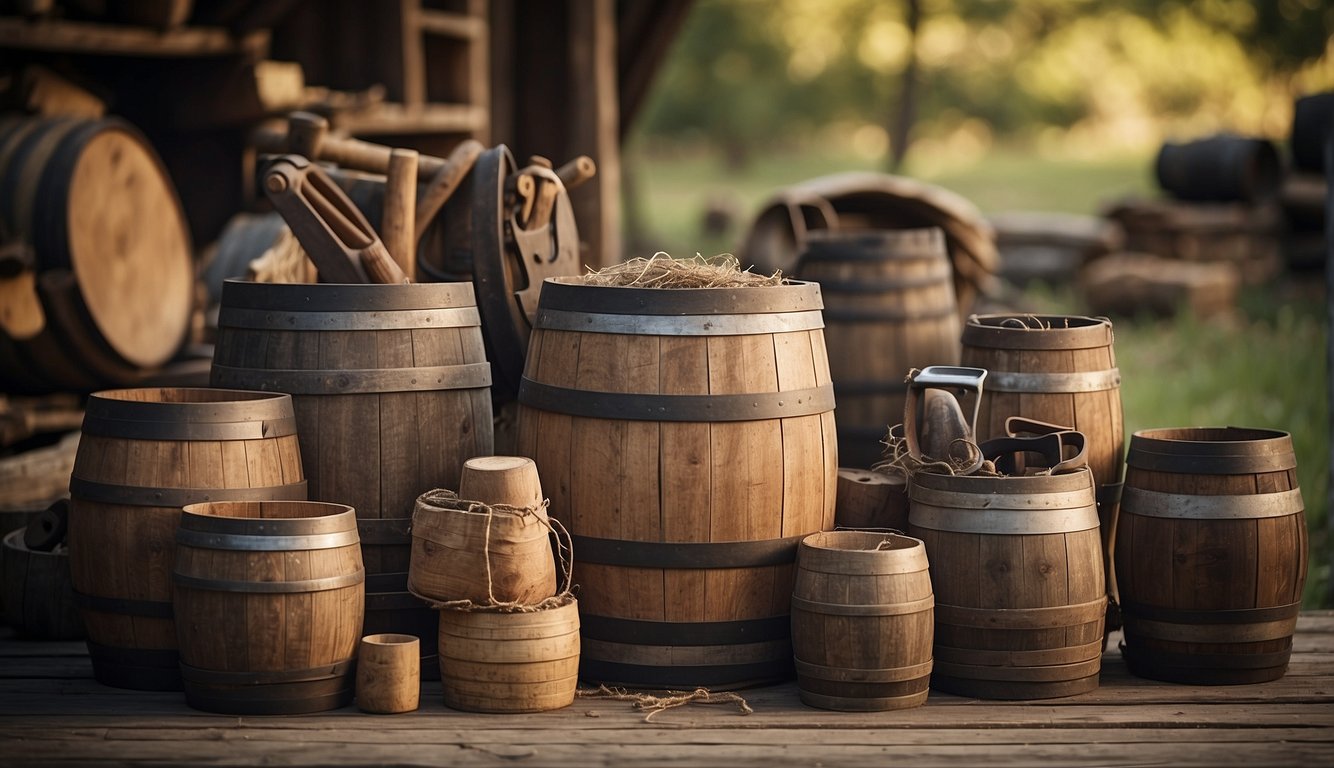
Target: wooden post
594,127
1328,598
398,227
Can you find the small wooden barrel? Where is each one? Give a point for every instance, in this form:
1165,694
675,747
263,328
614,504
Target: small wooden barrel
1212,554
391,389
38,596
144,454
862,621
686,437
889,307
388,674
113,274
509,662
466,550
269,599
1061,370
1018,579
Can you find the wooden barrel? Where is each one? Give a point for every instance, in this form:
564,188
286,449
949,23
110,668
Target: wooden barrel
889,307
686,437
38,596
467,550
867,499
1220,168
1056,369
113,272
1017,574
1212,554
269,599
145,453
390,385
862,621
510,662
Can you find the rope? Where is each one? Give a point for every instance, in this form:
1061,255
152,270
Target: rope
647,702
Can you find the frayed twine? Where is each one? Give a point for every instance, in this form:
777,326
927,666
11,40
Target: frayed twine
647,702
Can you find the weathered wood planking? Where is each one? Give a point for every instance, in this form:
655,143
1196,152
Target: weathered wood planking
1128,721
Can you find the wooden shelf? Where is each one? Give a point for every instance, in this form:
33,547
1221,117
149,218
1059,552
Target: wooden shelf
120,40
398,119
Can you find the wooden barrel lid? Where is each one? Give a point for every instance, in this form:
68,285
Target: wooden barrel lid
129,244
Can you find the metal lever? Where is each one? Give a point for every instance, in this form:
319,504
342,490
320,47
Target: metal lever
948,377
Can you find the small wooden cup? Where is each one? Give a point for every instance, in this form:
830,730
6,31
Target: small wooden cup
508,480
388,671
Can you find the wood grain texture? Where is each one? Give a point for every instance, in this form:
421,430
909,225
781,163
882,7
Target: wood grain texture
890,308
1211,599
54,713
689,482
1019,614
269,599
509,662
124,551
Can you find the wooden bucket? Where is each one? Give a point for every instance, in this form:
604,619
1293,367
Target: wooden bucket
112,287
466,550
1061,370
269,599
686,438
888,292
862,621
391,389
510,662
144,454
1212,554
1018,579
38,596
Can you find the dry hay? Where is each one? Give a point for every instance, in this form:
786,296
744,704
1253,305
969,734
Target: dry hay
663,271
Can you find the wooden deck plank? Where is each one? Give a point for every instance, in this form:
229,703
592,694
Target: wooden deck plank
52,713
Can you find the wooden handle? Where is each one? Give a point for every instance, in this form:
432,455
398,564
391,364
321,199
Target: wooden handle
380,266
547,192
577,171
307,135
397,226
445,181
526,189
329,227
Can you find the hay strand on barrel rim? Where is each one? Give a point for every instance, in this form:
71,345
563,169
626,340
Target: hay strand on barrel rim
663,271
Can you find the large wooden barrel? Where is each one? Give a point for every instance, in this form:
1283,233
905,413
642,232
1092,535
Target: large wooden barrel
687,439
510,662
112,283
390,385
1056,369
862,621
889,308
1212,554
145,453
1016,566
269,600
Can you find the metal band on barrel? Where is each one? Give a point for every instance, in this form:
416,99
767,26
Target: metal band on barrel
1051,617
879,609
270,587
362,381
682,554
641,407
243,543
329,297
678,325
887,675
188,430
392,320
1057,383
198,675
1137,501
141,496
570,293
1233,616
151,609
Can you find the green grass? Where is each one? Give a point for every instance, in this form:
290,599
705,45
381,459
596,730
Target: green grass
1263,368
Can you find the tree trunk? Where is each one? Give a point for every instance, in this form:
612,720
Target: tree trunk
901,129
